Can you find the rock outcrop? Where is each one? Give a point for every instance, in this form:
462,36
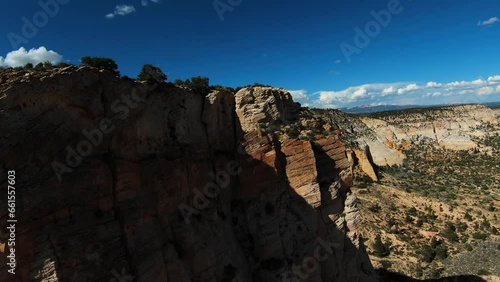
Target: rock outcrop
362,158
265,106
119,180
452,127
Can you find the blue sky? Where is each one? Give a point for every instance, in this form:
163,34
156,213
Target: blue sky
428,52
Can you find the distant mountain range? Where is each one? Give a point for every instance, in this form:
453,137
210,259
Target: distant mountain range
382,108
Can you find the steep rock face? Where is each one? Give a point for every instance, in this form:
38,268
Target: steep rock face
118,179
264,105
363,159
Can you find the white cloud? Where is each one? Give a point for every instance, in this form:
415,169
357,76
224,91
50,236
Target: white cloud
433,84
338,62
489,21
146,2
457,84
352,94
299,96
478,82
388,90
485,90
121,10
359,93
34,56
494,78
408,88
400,93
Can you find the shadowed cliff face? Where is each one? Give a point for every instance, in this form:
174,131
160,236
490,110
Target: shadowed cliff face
123,181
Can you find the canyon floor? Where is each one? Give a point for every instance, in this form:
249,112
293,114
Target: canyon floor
435,213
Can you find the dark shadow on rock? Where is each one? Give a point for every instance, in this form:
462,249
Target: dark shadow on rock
295,231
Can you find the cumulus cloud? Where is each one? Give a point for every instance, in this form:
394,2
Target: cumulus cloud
388,90
408,88
400,93
21,57
353,94
432,84
359,93
121,10
489,21
495,78
478,82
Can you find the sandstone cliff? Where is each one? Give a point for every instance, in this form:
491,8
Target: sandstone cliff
119,180
453,127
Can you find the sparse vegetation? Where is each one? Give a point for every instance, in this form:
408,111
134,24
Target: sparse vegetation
101,63
151,73
381,249
448,195
375,208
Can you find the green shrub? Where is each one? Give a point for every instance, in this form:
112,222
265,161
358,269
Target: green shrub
199,85
39,66
441,252
381,249
386,264
450,233
408,219
461,226
419,223
47,64
293,132
151,73
479,236
427,253
374,207
101,63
